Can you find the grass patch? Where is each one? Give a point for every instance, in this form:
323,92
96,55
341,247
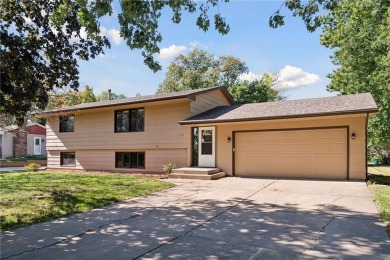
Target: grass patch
28,198
381,195
379,185
379,169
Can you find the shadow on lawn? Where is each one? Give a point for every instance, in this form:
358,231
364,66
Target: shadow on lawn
378,178
202,228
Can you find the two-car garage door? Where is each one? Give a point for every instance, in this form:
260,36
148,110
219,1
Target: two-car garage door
300,153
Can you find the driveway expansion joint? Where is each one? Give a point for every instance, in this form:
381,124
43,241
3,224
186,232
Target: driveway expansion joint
88,231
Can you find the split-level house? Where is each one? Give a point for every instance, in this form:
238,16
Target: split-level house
322,138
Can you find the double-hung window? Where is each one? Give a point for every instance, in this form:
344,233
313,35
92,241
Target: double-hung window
130,120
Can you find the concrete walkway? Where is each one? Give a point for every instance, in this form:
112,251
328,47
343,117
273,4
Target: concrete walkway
232,218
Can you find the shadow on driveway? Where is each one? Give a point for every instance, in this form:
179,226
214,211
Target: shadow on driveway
232,218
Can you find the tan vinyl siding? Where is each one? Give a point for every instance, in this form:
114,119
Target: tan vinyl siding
207,101
54,161
95,141
95,130
104,160
356,123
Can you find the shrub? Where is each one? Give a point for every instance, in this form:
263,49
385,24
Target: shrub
168,168
32,167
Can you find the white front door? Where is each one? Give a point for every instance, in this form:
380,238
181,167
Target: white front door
37,145
206,146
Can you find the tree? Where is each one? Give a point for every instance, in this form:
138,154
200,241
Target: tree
358,31
41,42
6,120
309,11
200,69
263,90
86,96
104,96
71,98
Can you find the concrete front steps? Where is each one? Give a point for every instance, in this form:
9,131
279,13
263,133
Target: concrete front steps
197,173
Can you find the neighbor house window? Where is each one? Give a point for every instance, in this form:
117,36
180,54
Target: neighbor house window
130,160
131,120
66,123
68,159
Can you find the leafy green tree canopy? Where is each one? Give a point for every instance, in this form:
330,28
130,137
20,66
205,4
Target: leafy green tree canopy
71,98
41,41
359,33
103,96
201,69
263,90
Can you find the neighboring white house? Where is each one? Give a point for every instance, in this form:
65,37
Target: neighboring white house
17,142
6,144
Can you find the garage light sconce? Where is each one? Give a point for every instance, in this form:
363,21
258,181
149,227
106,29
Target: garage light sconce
353,136
228,139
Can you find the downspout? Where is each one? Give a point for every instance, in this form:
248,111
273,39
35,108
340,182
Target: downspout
366,129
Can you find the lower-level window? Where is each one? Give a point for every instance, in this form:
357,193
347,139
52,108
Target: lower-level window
68,159
130,159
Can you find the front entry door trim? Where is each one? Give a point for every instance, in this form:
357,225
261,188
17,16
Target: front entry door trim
206,144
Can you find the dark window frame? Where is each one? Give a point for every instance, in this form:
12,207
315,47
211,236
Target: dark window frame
62,119
129,120
62,159
130,163
195,146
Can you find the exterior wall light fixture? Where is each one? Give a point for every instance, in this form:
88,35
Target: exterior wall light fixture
353,136
228,139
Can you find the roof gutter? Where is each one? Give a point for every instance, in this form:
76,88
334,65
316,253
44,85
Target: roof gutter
104,106
193,122
191,96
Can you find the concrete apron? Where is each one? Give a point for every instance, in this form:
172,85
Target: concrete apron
234,218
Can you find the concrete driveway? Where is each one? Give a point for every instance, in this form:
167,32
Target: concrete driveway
232,218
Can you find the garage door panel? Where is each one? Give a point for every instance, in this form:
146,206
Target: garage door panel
337,133
320,134
319,153
336,147
322,147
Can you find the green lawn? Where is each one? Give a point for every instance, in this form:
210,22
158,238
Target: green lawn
379,169
379,184
27,198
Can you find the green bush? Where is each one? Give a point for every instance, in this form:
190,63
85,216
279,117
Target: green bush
36,157
13,159
168,168
32,167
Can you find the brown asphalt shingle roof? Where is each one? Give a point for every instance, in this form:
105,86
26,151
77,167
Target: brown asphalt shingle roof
141,99
348,104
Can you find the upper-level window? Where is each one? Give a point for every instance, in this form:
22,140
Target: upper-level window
130,120
67,123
